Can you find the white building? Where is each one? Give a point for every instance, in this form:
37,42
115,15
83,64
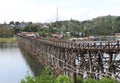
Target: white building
117,36
30,34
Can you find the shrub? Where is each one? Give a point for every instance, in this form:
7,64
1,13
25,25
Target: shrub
45,77
89,80
108,80
79,80
28,79
63,79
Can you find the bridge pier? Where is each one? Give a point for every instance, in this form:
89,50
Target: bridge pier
74,74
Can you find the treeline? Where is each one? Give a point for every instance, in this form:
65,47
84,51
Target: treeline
47,77
6,32
105,25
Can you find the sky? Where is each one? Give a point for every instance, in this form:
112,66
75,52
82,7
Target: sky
46,10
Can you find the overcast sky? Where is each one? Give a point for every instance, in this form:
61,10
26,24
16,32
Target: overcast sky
46,10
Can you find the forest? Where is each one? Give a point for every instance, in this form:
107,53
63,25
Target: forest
105,25
100,26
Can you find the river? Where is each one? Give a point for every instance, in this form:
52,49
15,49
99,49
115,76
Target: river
13,65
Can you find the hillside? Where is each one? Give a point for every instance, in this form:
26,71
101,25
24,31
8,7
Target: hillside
105,25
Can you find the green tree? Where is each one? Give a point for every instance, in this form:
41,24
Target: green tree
86,31
63,79
6,32
11,23
63,28
90,80
80,80
45,77
108,80
28,79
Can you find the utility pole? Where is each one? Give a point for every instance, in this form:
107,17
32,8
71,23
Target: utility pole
57,15
57,18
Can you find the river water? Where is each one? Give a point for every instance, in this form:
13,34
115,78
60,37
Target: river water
13,65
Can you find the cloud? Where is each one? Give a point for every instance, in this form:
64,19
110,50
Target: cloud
45,10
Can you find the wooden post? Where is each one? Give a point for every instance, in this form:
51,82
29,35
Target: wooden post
74,74
110,63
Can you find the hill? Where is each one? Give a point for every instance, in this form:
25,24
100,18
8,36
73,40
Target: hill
104,25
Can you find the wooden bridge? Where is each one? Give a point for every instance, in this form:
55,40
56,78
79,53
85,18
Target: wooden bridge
85,59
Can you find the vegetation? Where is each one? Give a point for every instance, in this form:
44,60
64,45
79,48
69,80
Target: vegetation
10,40
6,32
47,77
105,25
63,79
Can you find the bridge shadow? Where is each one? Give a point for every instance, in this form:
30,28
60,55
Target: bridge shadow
34,65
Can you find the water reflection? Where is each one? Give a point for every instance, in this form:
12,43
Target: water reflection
8,45
35,66
13,66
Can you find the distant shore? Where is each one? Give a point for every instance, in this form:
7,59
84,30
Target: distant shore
8,40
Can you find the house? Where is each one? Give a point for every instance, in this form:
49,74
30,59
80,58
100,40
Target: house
117,36
58,35
29,34
45,25
92,38
68,33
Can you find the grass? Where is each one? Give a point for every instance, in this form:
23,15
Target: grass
8,40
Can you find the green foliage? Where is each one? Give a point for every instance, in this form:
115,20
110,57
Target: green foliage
43,32
6,32
28,79
63,28
105,25
45,77
88,80
53,29
80,80
108,80
63,79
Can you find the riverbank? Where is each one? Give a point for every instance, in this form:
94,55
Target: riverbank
8,40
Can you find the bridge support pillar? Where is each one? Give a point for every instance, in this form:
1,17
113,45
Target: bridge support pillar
74,74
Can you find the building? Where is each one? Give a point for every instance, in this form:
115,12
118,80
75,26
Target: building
58,35
29,34
117,36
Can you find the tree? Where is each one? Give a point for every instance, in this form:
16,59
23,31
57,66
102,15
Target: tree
17,23
6,32
108,80
11,23
79,80
63,79
63,28
86,31
45,77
